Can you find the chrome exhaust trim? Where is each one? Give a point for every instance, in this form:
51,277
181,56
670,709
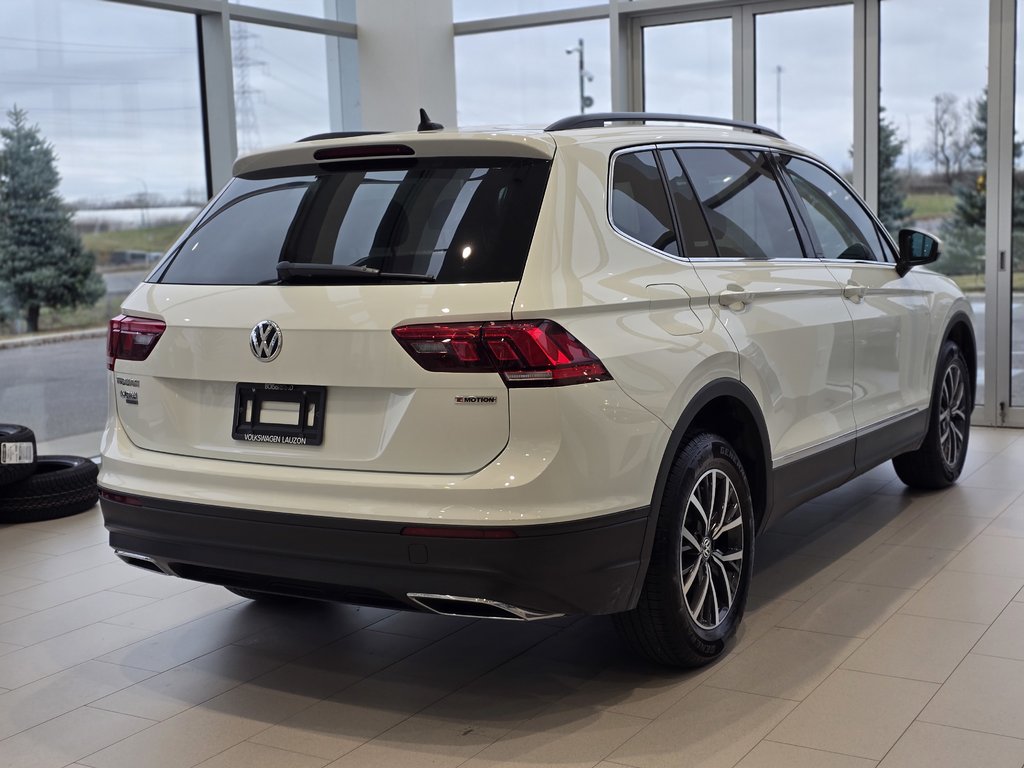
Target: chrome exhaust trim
142,561
476,608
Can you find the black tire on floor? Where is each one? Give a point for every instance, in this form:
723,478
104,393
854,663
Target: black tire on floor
940,459
61,486
696,585
17,453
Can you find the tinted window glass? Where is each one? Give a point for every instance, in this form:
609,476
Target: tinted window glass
241,242
455,220
639,206
742,203
697,242
843,228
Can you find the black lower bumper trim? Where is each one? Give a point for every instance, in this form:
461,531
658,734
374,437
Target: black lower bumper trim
587,566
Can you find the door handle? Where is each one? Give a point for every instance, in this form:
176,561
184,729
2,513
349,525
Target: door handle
854,292
735,300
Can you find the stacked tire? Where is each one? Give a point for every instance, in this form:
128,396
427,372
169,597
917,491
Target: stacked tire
34,488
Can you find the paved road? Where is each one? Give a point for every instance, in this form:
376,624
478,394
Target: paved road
123,282
55,389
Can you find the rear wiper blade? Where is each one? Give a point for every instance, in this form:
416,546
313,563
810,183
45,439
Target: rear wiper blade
289,269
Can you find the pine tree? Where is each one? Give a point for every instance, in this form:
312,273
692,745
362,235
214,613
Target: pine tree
42,260
964,232
892,208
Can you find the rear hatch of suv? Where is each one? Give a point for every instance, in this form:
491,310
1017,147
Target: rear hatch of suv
267,333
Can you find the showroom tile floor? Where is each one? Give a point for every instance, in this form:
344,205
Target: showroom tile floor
884,628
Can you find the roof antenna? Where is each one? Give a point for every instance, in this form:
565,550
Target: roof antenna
426,124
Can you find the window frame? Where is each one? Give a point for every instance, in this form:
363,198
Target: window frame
802,235
609,187
888,248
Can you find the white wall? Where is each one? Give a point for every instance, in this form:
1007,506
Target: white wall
406,61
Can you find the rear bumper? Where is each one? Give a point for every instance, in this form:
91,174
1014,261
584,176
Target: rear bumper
588,566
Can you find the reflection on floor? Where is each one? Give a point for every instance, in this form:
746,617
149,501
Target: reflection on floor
884,627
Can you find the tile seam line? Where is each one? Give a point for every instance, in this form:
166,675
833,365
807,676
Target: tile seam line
937,690
429,644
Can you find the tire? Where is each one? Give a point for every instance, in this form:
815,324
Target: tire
673,624
17,453
940,459
61,486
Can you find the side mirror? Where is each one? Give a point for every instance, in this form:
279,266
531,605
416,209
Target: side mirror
916,248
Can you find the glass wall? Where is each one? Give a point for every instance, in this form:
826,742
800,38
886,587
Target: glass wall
532,75
688,68
282,92
932,135
103,132
804,79
100,102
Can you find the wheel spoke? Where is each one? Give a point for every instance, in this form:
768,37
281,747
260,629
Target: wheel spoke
723,508
688,581
690,537
695,503
703,593
731,557
714,596
736,521
725,581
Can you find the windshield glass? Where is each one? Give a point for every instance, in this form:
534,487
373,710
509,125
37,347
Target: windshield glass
457,220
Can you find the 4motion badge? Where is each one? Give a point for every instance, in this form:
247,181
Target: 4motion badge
475,399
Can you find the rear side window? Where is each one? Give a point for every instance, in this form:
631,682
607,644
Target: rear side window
742,203
639,205
455,220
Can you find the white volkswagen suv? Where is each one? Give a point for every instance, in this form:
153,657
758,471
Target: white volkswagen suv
517,374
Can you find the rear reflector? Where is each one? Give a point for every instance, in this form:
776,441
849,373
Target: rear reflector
363,150
120,498
527,353
443,532
132,338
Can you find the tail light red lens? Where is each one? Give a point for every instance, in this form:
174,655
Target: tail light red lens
527,353
132,338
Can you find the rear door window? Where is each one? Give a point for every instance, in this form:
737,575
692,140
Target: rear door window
742,202
455,220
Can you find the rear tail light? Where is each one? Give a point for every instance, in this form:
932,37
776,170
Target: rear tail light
527,353
132,338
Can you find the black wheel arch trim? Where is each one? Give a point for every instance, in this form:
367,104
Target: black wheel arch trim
720,388
961,318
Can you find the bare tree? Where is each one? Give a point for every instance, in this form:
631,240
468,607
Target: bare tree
950,147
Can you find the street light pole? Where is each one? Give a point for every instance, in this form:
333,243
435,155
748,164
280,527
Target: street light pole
778,98
585,101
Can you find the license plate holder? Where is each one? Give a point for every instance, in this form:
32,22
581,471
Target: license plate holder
279,414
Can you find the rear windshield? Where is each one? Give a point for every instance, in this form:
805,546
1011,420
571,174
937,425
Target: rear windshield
457,220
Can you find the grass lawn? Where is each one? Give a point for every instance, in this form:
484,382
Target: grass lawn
931,206
976,283
52,320
157,238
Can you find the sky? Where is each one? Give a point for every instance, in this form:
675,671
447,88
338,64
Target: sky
115,88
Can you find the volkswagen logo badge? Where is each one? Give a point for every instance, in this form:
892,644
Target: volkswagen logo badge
265,341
